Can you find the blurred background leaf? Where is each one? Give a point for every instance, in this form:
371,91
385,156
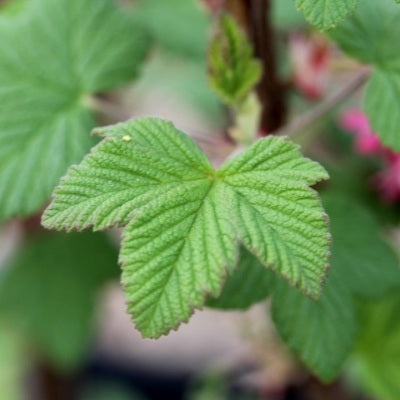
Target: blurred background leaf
377,357
49,290
13,363
250,283
178,26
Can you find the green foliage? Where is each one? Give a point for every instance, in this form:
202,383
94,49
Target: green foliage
286,16
10,8
361,255
381,103
369,36
233,71
178,26
184,218
326,14
323,333
12,363
247,285
49,290
378,351
54,55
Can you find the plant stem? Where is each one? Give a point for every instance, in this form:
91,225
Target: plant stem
255,15
324,107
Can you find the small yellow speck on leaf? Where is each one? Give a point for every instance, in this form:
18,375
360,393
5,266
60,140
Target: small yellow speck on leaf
126,138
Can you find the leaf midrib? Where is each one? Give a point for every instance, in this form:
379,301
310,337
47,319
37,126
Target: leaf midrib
172,270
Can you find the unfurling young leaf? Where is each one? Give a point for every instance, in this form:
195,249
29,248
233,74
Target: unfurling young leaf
233,70
55,54
326,14
184,219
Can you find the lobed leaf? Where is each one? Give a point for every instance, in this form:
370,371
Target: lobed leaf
184,219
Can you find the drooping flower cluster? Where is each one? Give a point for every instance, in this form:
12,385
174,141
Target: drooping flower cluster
367,142
310,58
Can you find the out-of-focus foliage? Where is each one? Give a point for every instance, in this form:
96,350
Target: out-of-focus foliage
286,16
11,8
49,291
363,265
12,363
187,83
378,351
369,36
178,26
54,55
247,285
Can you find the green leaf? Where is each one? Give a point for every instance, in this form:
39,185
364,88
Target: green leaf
323,333
233,71
185,219
178,26
361,255
53,56
361,35
326,14
286,16
49,289
378,350
369,36
13,363
382,104
277,217
174,252
250,283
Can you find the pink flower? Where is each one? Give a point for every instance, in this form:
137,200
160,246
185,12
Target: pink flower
367,142
310,57
387,181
